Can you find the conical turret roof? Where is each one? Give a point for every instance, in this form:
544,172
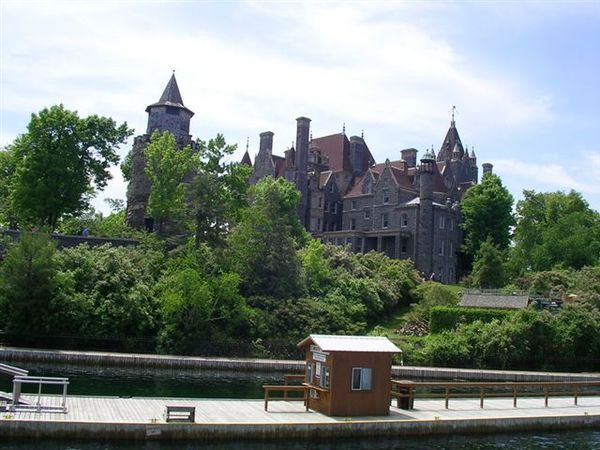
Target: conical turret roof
170,96
451,140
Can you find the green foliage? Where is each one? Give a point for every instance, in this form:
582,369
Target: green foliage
487,213
555,229
200,304
218,192
28,281
167,167
262,247
448,318
429,295
106,292
8,167
60,161
488,268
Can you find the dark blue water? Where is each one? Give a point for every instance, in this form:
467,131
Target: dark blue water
215,384
579,440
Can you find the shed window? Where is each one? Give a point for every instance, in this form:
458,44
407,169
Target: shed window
361,379
325,377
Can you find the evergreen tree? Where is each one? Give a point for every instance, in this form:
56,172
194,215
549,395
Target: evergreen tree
488,268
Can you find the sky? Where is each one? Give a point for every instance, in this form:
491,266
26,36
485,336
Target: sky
524,76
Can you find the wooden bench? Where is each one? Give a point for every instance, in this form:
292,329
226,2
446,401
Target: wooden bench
180,414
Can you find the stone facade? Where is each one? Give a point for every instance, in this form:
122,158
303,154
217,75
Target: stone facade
405,208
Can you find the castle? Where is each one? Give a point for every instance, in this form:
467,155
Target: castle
406,208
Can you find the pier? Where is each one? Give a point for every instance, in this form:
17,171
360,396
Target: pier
143,419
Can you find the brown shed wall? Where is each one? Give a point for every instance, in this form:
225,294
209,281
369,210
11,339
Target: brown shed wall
345,401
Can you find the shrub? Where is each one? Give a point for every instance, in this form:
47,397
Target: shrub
446,318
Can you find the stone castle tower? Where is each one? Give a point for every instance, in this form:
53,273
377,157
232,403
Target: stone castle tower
168,114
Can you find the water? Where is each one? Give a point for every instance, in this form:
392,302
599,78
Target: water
577,440
129,382
214,384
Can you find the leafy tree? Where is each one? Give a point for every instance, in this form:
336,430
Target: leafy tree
60,161
167,168
8,167
262,247
107,292
28,281
218,192
487,213
555,229
200,303
488,268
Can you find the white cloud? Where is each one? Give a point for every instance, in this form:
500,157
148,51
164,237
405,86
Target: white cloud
548,176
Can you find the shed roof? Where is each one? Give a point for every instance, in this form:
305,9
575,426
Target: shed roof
329,343
494,301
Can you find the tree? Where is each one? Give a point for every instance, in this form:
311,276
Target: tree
487,213
555,229
60,161
8,167
218,192
262,247
28,280
488,268
167,168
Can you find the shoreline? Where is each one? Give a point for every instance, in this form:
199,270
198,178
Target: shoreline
17,355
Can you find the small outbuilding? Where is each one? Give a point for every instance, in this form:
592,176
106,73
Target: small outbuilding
349,375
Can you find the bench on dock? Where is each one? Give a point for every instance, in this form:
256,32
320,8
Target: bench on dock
180,414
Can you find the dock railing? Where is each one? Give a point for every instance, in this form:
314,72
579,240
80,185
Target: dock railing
285,389
405,392
18,383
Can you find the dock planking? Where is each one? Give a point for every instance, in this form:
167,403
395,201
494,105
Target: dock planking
221,419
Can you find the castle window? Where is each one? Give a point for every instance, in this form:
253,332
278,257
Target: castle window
326,206
451,225
348,241
319,224
334,204
386,196
353,224
172,110
441,247
442,222
404,220
404,245
331,188
384,220
320,201
451,248
441,274
367,214
353,204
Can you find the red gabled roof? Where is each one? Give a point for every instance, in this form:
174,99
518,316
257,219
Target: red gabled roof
336,148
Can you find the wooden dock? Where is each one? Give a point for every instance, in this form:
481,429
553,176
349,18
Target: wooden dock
143,418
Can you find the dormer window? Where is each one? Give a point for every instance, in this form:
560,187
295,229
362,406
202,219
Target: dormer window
331,188
404,220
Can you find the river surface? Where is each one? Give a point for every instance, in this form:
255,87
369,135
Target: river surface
125,382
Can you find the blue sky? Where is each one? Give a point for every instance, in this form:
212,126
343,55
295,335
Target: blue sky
524,76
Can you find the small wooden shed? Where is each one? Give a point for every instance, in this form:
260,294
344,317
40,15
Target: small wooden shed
349,375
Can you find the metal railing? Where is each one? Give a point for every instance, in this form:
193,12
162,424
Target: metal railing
18,383
405,392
